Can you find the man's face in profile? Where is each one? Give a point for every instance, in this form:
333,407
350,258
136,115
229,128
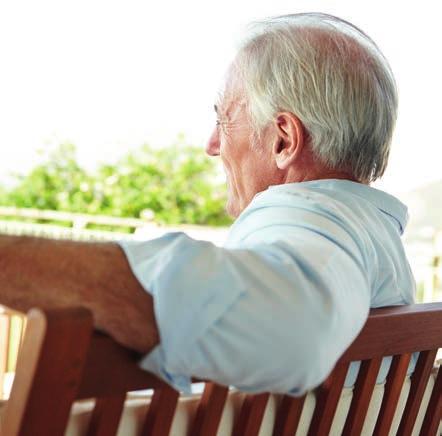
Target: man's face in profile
247,162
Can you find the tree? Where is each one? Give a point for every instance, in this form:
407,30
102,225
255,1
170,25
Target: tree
179,184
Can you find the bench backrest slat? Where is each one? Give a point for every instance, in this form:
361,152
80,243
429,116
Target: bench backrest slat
419,381
106,416
434,411
210,410
362,393
161,411
393,388
251,416
288,415
327,398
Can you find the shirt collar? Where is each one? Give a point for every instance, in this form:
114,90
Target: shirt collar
387,203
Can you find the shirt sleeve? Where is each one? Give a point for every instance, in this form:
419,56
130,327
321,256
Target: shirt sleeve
263,317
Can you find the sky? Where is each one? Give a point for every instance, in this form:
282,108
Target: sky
111,75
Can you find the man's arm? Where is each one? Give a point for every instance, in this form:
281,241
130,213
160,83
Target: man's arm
36,272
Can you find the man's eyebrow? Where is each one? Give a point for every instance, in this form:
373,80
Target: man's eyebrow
215,107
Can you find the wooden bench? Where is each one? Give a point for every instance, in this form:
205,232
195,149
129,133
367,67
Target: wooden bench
63,360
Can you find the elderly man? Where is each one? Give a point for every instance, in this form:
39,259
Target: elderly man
304,125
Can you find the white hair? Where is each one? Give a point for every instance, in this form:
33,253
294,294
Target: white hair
333,77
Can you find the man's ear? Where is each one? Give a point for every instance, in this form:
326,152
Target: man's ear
290,139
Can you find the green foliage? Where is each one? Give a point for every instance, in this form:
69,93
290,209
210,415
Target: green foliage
179,184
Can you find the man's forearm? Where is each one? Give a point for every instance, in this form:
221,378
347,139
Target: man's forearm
36,272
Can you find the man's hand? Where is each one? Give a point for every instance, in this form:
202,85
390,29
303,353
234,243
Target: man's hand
36,272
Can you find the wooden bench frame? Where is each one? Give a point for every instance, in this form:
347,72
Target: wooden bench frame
62,359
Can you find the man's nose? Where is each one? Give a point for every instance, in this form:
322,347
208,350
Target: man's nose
212,147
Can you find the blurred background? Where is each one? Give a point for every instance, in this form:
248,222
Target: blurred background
105,107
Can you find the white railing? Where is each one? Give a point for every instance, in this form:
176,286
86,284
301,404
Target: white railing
15,224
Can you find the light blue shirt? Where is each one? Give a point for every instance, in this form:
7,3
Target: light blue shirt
275,308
